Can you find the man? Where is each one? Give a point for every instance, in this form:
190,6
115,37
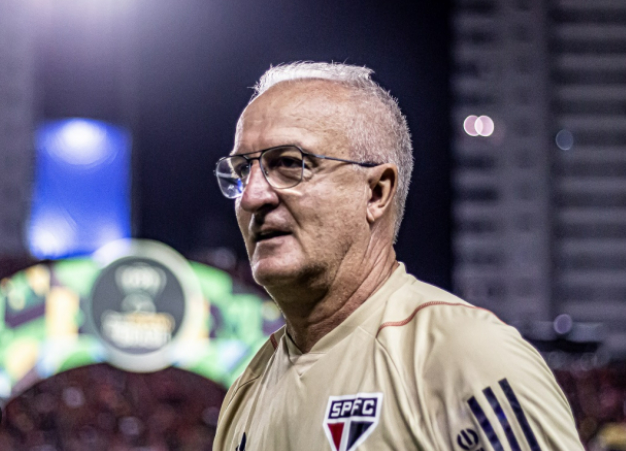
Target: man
370,358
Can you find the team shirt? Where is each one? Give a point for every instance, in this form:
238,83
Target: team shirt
413,368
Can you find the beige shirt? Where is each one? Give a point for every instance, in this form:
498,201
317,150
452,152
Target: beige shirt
413,368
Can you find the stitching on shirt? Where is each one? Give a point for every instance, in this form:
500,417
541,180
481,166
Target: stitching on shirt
409,318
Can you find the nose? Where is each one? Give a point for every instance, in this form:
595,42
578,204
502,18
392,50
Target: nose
257,192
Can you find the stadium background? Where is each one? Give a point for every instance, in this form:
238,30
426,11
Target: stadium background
517,109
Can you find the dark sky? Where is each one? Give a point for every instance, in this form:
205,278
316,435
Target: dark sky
178,73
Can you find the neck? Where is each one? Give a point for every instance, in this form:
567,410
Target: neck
311,312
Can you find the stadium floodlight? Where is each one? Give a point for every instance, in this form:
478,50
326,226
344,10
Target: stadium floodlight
81,141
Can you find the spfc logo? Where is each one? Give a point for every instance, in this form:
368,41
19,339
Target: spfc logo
350,419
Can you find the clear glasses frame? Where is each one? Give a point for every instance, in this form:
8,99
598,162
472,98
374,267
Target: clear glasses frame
282,166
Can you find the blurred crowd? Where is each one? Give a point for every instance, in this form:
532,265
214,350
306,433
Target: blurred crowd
101,408
598,399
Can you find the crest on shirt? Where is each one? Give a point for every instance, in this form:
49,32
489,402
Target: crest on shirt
350,419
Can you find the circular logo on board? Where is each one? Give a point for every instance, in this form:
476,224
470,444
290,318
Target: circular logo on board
140,303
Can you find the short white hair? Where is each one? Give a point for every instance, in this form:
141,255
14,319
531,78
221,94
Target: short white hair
379,134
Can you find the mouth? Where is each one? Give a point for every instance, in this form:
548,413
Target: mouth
268,235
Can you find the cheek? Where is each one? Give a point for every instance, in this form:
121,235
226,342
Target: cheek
336,215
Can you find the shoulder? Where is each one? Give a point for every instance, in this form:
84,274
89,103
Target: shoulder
443,333
466,368
421,308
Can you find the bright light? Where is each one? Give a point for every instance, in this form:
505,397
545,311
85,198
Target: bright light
469,125
81,142
478,125
564,140
80,197
485,126
51,235
563,324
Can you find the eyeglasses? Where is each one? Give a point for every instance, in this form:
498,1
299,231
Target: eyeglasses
282,166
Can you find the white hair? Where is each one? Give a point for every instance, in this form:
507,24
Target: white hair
378,133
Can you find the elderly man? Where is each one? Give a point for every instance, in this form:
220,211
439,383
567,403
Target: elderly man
370,358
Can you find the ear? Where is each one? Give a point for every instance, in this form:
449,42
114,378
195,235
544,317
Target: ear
383,181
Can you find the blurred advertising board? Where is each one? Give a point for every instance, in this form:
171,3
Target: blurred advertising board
136,304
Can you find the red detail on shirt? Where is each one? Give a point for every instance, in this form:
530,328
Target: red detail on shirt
273,340
336,430
409,318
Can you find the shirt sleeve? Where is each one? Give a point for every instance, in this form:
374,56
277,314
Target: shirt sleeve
486,389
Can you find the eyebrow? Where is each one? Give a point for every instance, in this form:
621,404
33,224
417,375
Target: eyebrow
290,144
295,142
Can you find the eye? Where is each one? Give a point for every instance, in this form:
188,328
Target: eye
283,159
287,162
240,167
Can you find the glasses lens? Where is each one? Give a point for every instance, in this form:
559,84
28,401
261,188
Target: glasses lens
283,166
230,172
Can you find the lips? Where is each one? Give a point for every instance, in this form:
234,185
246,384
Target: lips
265,235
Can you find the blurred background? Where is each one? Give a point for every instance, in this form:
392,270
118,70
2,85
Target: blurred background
113,113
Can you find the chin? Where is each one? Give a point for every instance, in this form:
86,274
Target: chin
275,271
276,262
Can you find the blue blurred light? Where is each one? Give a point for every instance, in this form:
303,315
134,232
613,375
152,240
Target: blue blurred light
564,140
81,197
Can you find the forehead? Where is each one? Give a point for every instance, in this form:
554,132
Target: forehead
294,112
